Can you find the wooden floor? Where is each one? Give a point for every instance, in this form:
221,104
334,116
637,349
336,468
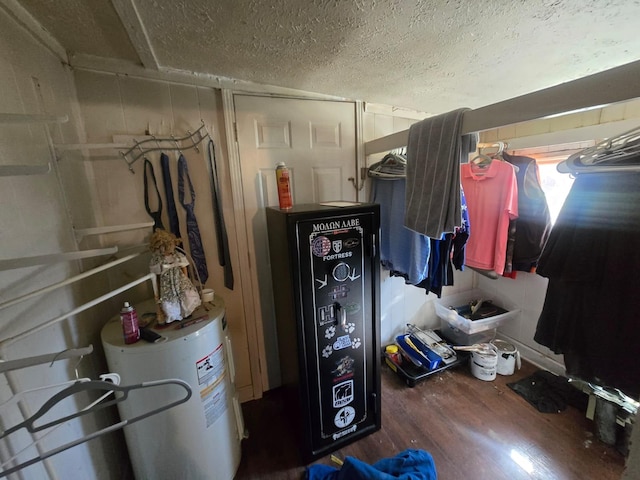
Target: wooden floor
474,430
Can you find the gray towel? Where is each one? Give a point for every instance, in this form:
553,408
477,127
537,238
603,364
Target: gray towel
434,152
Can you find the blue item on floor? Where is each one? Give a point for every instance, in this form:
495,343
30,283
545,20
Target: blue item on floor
409,464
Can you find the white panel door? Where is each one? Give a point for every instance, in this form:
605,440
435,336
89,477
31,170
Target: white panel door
317,141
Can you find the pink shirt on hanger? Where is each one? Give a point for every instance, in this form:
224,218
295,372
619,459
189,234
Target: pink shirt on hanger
492,200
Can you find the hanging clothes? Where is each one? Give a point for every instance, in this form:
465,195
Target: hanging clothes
591,260
193,232
435,150
422,261
224,257
461,237
172,213
533,225
492,200
446,253
155,215
403,252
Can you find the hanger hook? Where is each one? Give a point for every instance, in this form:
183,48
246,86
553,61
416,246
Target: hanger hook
177,146
55,357
195,145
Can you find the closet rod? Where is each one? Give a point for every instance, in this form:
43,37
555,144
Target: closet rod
611,86
18,118
68,281
83,232
24,170
19,363
88,146
13,263
81,308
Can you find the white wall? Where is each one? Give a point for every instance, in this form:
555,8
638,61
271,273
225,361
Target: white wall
35,220
38,214
120,108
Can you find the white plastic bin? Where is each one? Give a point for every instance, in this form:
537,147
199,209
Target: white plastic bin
471,327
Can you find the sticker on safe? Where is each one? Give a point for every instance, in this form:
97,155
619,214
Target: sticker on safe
343,394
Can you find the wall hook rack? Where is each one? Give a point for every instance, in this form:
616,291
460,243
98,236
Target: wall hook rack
153,144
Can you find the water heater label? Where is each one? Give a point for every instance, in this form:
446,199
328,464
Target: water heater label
211,367
214,402
213,394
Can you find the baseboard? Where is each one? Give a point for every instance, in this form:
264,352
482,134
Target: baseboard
535,357
245,394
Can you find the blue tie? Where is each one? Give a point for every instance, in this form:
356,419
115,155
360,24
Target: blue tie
193,232
172,213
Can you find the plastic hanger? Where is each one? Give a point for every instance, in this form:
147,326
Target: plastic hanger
481,160
393,165
114,378
94,385
619,153
22,394
40,359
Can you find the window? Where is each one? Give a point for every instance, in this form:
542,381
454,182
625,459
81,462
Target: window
555,185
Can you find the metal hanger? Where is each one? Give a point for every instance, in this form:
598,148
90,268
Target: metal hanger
95,385
178,147
111,377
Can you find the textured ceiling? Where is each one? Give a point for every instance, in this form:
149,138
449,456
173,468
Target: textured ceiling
81,26
430,55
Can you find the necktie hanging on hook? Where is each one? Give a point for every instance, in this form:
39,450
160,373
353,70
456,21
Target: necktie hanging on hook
157,215
172,213
224,258
193,232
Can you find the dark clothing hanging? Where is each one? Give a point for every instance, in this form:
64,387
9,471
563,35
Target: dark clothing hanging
533,225
591,260
440,266
172,213
193,232
459,242
224,257
447,253
157,215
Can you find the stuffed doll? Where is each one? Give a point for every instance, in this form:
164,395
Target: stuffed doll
178,296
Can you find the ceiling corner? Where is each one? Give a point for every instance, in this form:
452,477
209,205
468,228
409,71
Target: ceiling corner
132,22
34,27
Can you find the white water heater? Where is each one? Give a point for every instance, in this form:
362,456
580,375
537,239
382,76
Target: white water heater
199,439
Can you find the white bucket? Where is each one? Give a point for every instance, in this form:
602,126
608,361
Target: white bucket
483,365
508,357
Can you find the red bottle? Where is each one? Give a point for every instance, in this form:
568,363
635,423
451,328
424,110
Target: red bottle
284,186
129,321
